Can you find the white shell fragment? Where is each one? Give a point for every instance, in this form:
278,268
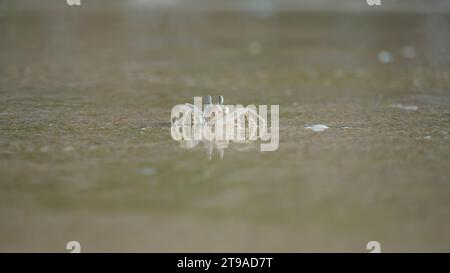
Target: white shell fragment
317,127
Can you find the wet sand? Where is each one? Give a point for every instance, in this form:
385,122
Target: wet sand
86,152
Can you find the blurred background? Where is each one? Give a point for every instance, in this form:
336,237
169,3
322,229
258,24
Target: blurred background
85,147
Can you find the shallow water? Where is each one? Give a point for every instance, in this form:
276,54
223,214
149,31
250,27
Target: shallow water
86,152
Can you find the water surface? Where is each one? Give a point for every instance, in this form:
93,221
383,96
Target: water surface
86,152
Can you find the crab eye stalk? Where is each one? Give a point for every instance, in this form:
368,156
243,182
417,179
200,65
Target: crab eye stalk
220,100
208,99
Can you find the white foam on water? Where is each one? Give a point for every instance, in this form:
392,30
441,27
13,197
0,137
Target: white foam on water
406,107
317,127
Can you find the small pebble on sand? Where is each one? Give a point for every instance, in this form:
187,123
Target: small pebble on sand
385,57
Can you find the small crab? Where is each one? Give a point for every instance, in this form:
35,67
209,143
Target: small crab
216,125
213,112
222,114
